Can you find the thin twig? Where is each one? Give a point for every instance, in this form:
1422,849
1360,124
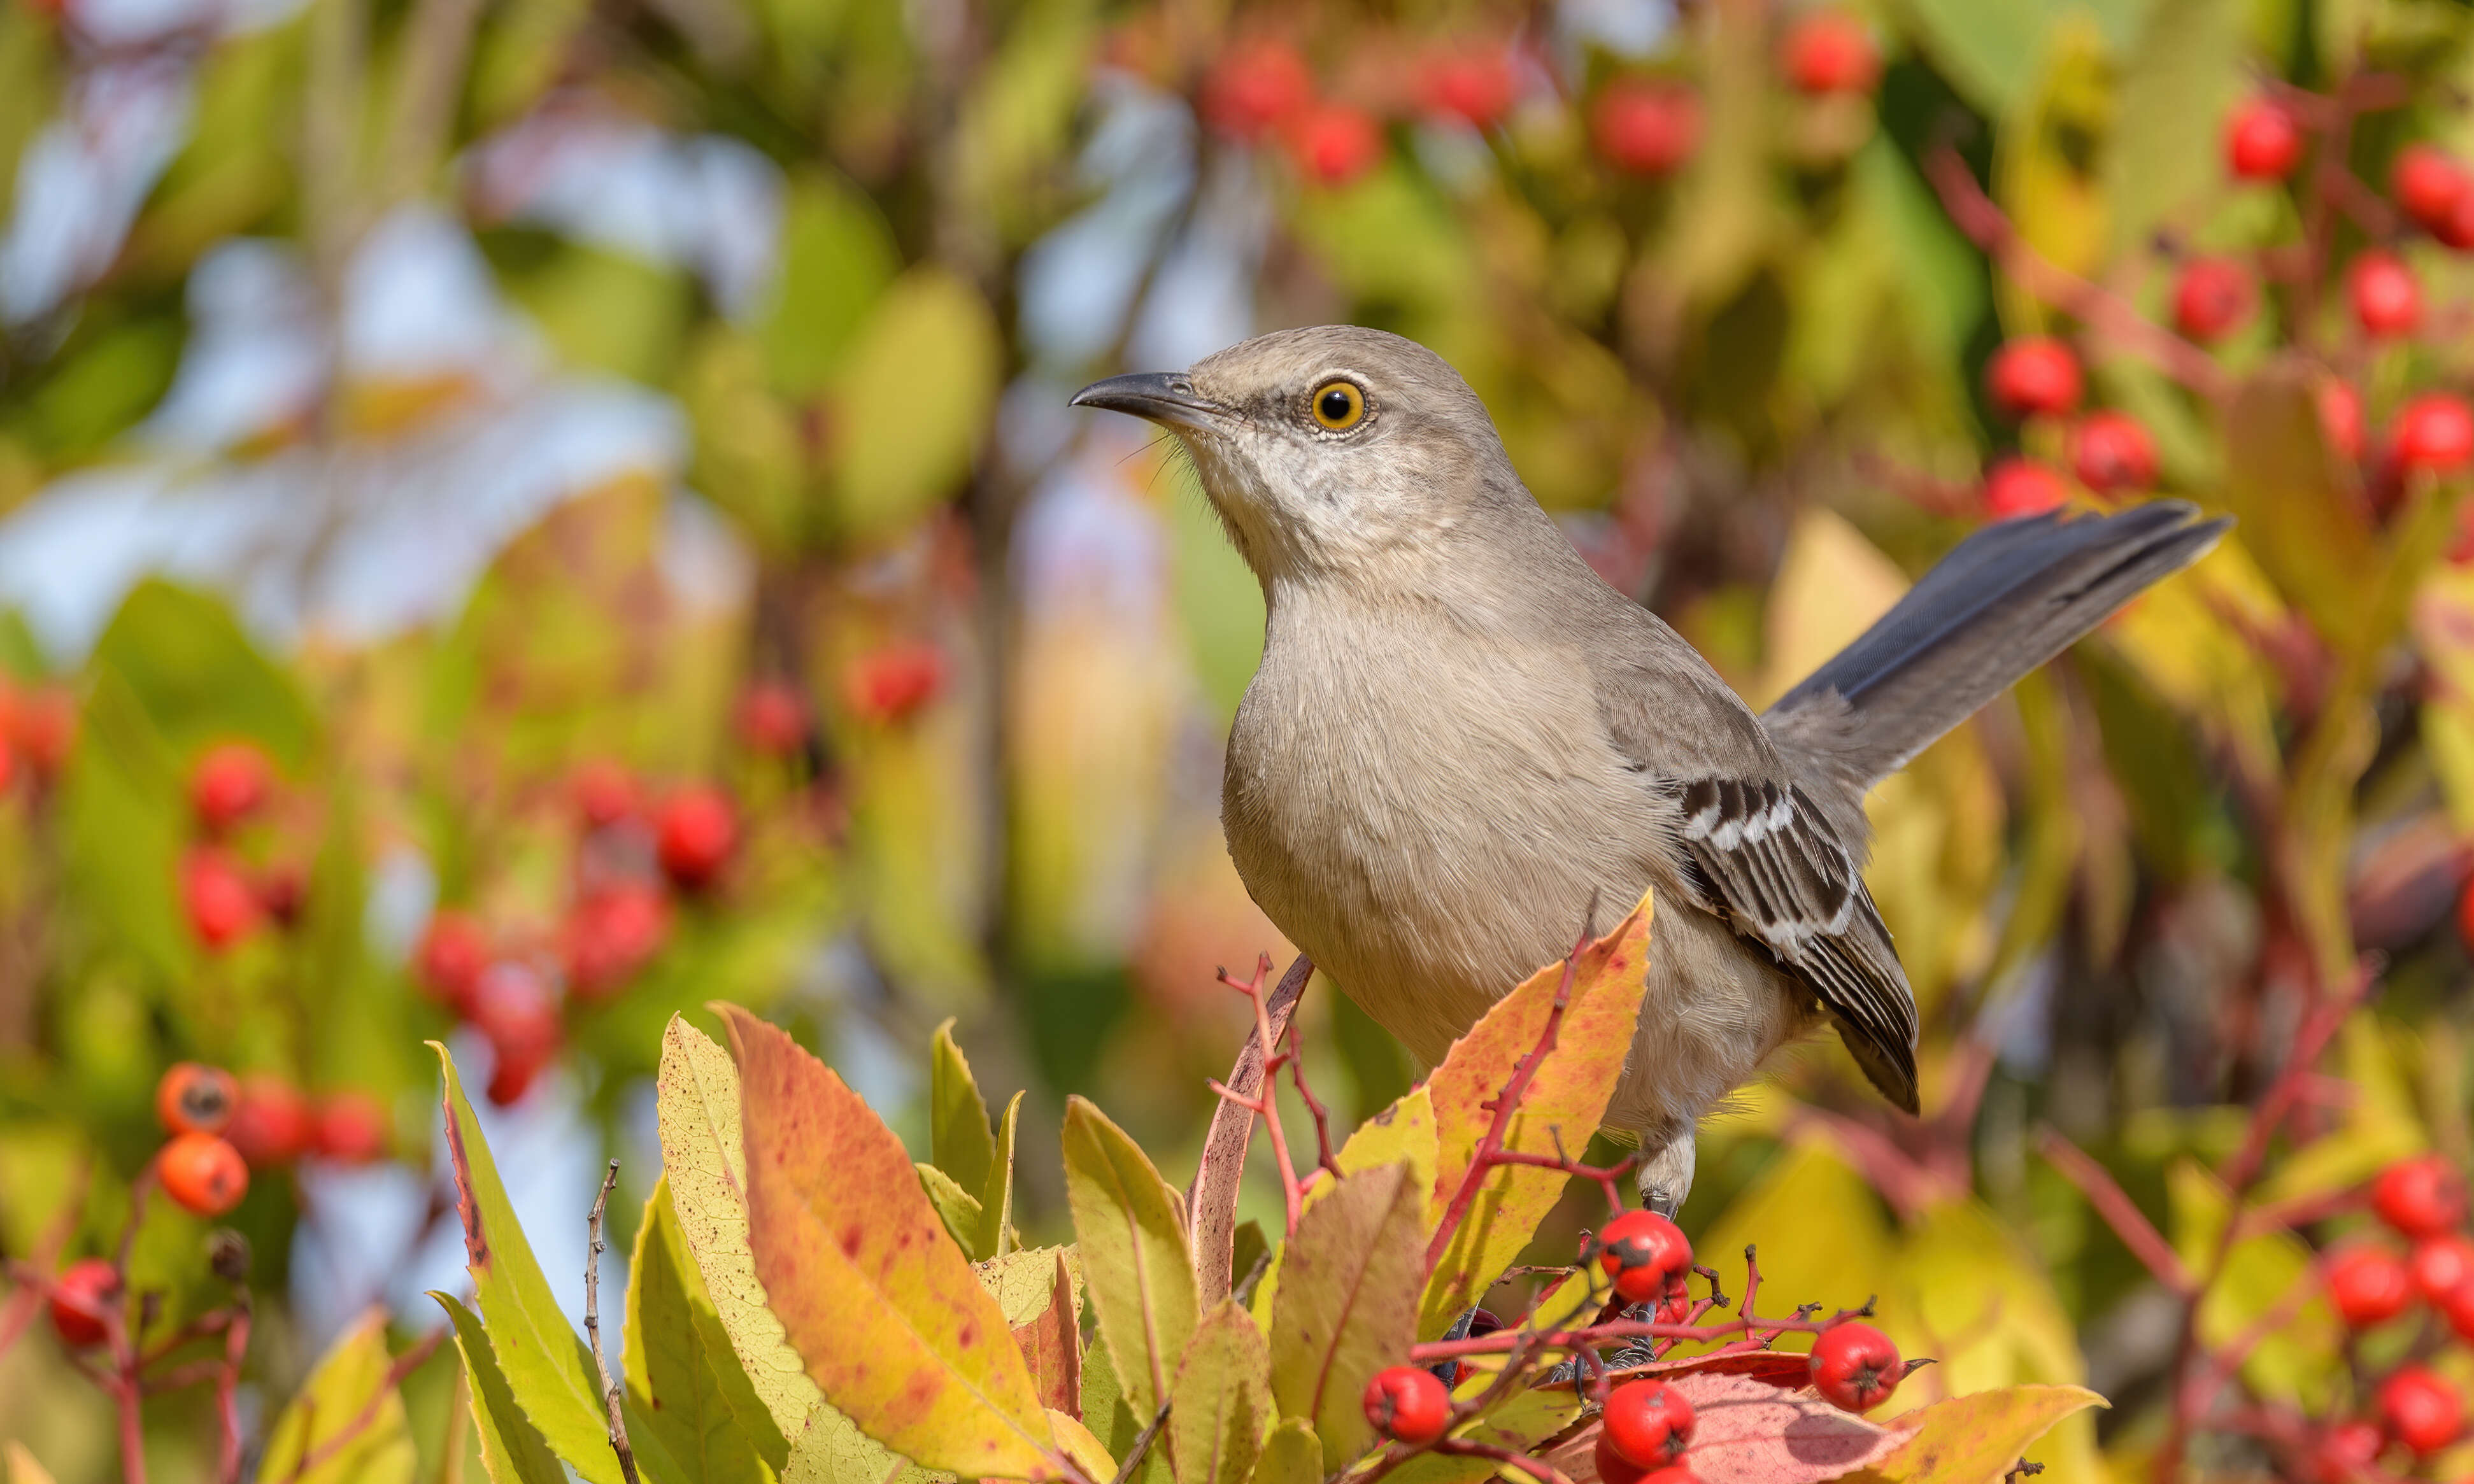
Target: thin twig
1142,1445
592,1246
2118,1211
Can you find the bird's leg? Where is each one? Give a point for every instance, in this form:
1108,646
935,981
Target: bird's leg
1666,1154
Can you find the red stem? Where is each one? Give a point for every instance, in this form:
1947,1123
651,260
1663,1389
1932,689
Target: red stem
2119,1212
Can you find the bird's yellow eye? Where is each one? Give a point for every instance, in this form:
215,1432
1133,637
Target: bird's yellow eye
1339,405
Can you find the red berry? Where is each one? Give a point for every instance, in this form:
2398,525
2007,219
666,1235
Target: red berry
512,1008
611,934
695,835
221,903
2111,450
1856,1367
2423,1196
2021,486
1334,144
1614,1468
2427,184
2441,1265
2263,142
2345,1452
2037,375
2420,1410
1644,128
773,719
2368,1286
1643,1252
890,684
44,726
2457,1306
1408,1403
1830,52
604,794
1256,88
81,1296
350,1128
1672,1473
273,1125
1648,1421
202,1173
282,891
2456,229
2341,418
2213,297
2387,299
193,1098
452,953
229,784
2433,431
1473,85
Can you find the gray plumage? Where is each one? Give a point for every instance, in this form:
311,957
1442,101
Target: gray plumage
1460,737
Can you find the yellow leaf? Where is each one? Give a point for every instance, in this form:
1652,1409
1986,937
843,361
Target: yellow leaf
1131,1234
681,1372
22,1467
346,1381
1223,1400
1292,1454
1975,1439
1347,1306
1080,1446
512,1449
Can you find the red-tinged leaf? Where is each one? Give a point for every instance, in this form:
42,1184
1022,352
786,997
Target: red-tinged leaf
1566,1097
1052,1345
1347,1304
880,1303
1973,1439
1747,1433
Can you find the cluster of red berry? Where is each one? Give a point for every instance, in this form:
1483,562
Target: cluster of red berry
221,1127
888,684
226,897
2369,1283
634,855
1646,1426
36,727
2212,296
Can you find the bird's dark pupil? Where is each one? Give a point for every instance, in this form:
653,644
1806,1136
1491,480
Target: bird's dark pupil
1335,404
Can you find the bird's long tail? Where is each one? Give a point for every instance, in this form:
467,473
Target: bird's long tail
2008,599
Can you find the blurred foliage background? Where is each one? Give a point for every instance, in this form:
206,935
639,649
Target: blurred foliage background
513,420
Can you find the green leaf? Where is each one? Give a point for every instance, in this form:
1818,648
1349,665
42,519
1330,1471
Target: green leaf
352,1375
837,255
885,1312
1113,1423
676,1354
546,1363
1975,1439
1292,1454
956,1207
997,1235
958,1141
200,680
512,1449
899,453
1348,1302
2284,486
2173,87
1132,1238
1223,1400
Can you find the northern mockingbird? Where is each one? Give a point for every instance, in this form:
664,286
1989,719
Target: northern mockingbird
1459,738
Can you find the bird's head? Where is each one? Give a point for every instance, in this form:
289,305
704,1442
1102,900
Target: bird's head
1328,449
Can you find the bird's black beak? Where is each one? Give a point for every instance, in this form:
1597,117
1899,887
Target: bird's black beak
1157,397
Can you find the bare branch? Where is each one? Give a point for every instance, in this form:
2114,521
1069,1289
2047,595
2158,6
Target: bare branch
592,1247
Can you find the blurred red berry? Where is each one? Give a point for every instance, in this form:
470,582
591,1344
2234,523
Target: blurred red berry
2387,298
2341,418
273,1124
2021,486
283,892
194,1098
773,719
1334,144
1830,51
1643,1252
1474,84
2111,450
220,904
2423,1196
513,1009
611,934
1855,1366
604,792
452,953
2034,375
2427,184
1672,1473
2456,229
2345,1451
1256,88
2263,142
43,726
1612,1466
2369,1285
2420,1410
2441,1265
350,1128
1409,1403
1645,127
2213,297
1649,1421
695,835
229,783
888,684
2436,432
85,1292
7,764
201,1172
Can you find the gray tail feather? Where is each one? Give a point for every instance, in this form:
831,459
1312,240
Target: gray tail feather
2004,601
